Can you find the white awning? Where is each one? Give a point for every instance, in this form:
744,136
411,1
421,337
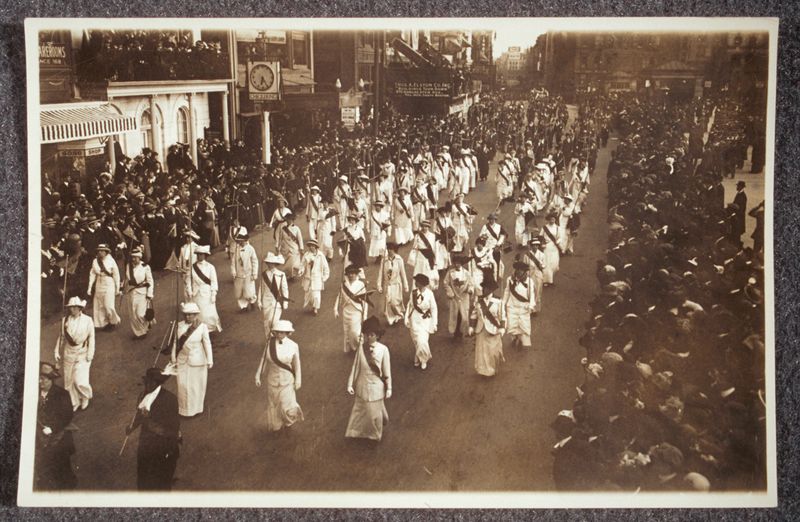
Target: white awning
83,122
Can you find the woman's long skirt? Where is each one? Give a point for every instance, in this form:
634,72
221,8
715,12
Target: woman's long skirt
367,420
192,381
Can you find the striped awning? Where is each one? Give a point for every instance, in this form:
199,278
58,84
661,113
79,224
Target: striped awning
80,123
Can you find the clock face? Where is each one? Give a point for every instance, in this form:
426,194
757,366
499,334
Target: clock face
261,77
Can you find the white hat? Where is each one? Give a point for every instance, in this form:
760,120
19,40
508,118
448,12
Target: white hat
136,252
190,308
191,233
343,178
274,259
283,325
315,188
76,301
241,231
203,249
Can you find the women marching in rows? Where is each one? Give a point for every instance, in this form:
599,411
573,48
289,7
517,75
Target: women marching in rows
281,360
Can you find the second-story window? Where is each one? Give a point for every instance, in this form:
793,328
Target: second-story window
299,49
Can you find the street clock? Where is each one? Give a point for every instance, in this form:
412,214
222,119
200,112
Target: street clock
264,81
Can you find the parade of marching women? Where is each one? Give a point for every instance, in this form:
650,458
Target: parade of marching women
445,274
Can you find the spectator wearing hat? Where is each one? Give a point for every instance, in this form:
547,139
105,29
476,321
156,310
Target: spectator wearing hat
422,256
519,301
290,245
104,287
314,211
354,307
370,381
403,223
422,319
393,284
380,226
157,414
459,286
187,257
54,442
315,271
192,355
202,289
244,270
281,360
758,232
75,351
273,291
140,294
488,323
551,237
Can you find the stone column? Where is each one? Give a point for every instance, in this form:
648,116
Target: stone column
192,130
154,130
226,133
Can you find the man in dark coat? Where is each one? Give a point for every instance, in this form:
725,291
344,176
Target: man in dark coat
160,436
740,200
54,445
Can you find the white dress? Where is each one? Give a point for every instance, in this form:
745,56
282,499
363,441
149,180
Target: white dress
203,293
192,359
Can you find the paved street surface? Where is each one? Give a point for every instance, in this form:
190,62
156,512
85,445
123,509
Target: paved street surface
449,428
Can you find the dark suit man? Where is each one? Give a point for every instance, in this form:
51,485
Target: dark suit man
160,436
54,445
740,200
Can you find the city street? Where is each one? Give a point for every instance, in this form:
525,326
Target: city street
449,429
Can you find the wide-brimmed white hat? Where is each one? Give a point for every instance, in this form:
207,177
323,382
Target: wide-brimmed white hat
274,259
136,252
191,233
190,308
203,249
283,325
76,301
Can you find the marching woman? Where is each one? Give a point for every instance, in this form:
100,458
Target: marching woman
273,292
326,228
202,289
404,224
552,254
314,271
352,246
104,284
191,353
371,382
378,229
392,283
290,245
519,302
352,297
140,293
342,197
422,256
281,358
463,215
422,319
244,270
314,211
279,217
488,324
536,261
76,341
460,287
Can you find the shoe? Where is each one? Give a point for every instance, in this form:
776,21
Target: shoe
84,403
316,312
416,364
424,366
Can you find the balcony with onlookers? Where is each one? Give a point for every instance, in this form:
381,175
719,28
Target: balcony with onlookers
142,56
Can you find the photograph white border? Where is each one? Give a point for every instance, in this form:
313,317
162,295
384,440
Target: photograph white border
601,499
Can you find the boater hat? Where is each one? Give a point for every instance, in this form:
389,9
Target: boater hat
274,259
312,242
103,246
283,325
203,249
137,252
76,301
190,308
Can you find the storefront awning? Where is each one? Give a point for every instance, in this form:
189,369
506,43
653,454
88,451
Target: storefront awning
83,122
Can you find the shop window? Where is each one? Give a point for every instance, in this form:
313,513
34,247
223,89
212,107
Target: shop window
146,126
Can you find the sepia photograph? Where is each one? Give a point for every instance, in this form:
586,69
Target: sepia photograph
400,263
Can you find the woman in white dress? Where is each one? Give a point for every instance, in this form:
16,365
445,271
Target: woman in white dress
202,289
550,238
281,358
75,347
370,381
104,286
403,217
290,245
353,301
191,353
379,226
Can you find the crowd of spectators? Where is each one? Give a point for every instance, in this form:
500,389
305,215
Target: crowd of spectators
674,390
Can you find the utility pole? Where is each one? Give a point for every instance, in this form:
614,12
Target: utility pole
379,41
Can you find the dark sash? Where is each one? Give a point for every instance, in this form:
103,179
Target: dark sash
494,234
462,211
499,171
68,337
418,198
132,279
403,206
188,333
291,235
314,204
353,297
273,356
428,250
103,268
425,315
512,288
382,226
536,262
373,366
488,313
199,273
553,239
273,287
